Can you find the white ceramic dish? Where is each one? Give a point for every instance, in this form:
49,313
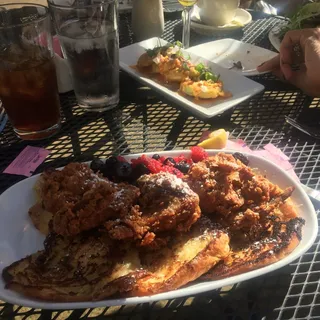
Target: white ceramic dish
273,35
19,238
240,87
226,52
241,19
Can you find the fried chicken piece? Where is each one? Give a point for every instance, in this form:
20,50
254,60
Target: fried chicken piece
77,199
56,188
166,203
103,201
224,185
252,223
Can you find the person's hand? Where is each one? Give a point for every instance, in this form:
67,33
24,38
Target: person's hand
299,67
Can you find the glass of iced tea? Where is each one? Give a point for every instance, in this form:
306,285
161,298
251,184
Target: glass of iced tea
28,84
88,34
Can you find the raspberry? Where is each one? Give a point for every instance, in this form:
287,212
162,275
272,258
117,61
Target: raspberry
182,158
121,159
161,164
198,154
153,165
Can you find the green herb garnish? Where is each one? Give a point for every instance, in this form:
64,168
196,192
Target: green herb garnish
305,16
206,73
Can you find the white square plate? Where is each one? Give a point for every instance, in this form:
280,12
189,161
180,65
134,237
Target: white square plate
18,238
240,87
225,52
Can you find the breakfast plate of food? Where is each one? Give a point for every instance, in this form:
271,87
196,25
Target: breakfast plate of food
148,227
197,84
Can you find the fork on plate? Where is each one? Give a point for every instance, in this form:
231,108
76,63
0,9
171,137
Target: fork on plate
312,132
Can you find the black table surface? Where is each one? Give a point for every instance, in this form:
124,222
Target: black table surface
145,121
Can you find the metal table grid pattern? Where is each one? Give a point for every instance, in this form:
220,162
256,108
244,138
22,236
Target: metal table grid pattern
146,121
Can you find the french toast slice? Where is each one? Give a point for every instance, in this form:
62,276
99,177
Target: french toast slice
186,258
92,266
284,237
79,269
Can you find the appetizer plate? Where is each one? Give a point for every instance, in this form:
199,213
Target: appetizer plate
19,238
226,52
242,18
240,87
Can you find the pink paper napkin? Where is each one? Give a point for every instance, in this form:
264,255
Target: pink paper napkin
27,161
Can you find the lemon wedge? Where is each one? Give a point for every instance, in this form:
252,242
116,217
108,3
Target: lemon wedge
216,140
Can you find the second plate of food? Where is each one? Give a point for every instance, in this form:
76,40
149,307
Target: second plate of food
236,87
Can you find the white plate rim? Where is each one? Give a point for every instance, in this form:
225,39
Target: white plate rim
199,26
274,39
198,109
273,35
187,291
246,73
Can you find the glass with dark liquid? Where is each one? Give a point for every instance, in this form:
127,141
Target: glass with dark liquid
28,85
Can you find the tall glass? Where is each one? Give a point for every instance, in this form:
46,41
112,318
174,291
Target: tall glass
88,33
187,7
28,84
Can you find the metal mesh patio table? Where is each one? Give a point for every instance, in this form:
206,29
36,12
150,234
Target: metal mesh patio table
146,121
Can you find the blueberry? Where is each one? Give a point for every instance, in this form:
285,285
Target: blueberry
182,166
139,170
156,157
241,157
123,170
108,169
111,161
169,159
96,165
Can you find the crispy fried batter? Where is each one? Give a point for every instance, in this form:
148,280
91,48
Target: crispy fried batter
91,266
253,223
104,201
79,200
56,188
166,203
224,185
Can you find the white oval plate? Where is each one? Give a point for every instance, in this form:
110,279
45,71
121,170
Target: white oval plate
19,238
225,52
242,18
